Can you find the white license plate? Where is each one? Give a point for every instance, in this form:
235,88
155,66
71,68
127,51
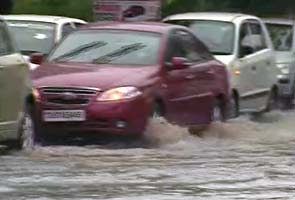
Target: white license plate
64,115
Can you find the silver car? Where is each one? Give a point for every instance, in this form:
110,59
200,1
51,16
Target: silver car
282,34
16,94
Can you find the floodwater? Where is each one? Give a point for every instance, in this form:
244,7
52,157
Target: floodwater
243,159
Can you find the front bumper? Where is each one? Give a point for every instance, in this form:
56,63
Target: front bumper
127,117
286,85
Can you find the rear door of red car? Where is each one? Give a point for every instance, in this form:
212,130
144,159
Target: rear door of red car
190,98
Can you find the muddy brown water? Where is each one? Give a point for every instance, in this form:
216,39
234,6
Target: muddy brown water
243,159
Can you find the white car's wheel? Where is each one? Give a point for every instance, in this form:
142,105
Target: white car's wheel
218,112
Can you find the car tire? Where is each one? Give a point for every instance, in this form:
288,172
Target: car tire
218,112
157,111
272,102
286,103
233,108
28,130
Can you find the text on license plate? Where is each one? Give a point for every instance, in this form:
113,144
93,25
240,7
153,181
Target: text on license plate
64,115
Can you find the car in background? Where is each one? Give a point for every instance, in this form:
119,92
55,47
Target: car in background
243,44
113,78
39,33
16,91
282,35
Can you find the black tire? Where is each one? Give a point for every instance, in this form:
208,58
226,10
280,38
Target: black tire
157,111
218,112
233,110
273,101
286,103
28,130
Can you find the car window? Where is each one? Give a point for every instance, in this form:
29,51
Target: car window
217,35
78,25
245,41
67,29
116,47
257,35
281,35
6,46
32,36
183,44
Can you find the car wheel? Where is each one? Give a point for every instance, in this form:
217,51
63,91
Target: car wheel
218,114
27,131
286,103
157,111
234,108
272,102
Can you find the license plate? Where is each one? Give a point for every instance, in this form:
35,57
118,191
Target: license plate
64,115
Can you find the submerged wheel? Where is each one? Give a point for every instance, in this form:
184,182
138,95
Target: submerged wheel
218,114
28,130
272,102
157,111
234,108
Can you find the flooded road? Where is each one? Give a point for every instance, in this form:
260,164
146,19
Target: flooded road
243,159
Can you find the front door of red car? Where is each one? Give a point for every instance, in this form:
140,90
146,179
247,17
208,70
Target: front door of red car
188,101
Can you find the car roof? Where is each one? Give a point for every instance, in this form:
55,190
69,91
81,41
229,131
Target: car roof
156,27
41,18
216,16
279,21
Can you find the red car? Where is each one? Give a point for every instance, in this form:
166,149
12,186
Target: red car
113,78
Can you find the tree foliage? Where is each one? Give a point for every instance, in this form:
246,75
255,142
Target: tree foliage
5,6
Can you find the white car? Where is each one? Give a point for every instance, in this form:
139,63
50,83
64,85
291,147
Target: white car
242,42
39,33
282,33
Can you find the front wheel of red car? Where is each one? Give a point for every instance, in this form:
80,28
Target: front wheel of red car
218,113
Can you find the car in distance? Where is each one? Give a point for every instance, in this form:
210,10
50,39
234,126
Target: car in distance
16,91
243,44
113,78
39,33
282,35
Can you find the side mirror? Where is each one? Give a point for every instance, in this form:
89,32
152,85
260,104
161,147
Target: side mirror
179,63
246,50
37,58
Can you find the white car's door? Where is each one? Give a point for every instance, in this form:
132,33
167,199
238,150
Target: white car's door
247,69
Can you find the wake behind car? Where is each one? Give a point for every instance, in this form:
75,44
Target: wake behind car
282,34
39,33
113,78
243,44
16,92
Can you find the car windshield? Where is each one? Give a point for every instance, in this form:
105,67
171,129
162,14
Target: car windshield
109,47
33,36
281,35
217,35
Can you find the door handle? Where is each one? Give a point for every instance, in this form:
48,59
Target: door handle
190,77
210,72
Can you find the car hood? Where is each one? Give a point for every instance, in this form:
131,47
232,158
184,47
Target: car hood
90,75
225,59
284,57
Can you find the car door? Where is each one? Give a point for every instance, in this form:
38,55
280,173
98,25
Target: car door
265,64
189,99
14,73
247,68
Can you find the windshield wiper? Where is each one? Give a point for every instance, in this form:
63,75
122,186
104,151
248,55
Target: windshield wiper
124,50
81,49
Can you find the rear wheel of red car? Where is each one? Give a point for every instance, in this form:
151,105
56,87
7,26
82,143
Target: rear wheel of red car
158,111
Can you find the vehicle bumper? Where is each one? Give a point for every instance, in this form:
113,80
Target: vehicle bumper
286,85
126,118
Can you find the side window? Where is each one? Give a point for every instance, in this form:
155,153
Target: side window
174,48
5,42
258,36
78,25
246,46
67,29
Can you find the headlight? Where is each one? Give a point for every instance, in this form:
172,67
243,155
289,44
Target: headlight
119,93
36,94
284,68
